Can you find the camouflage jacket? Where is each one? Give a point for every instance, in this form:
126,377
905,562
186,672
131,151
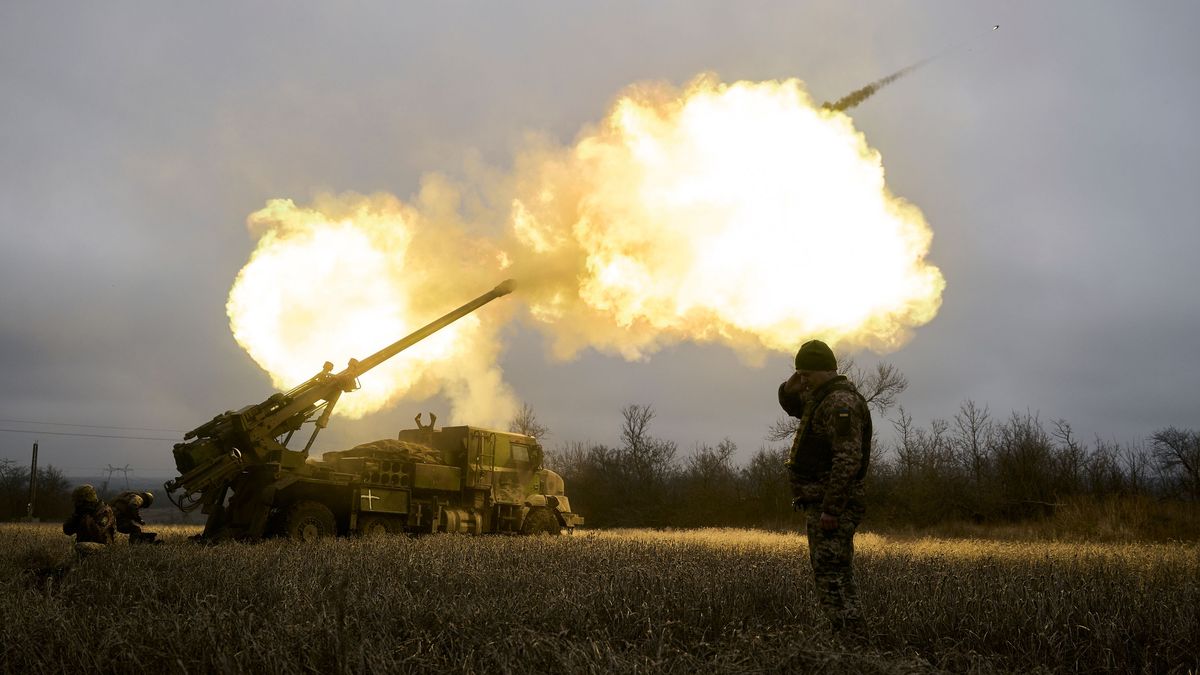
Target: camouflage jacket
97,525
831,448
125,508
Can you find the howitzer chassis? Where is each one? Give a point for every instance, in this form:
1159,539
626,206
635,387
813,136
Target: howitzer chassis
239,470
456,479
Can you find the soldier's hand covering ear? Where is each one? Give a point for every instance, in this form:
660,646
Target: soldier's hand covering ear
794,385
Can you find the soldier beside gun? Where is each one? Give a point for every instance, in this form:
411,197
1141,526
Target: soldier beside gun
127,507
92,522
95,523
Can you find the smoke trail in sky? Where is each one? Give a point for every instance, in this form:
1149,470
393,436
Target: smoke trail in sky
859,95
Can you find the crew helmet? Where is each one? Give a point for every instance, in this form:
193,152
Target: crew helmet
85,494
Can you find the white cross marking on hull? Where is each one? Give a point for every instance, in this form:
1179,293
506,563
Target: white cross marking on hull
369,497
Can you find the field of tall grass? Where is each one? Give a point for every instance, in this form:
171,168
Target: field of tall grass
604,601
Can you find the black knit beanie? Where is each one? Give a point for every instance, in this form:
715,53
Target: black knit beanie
815,355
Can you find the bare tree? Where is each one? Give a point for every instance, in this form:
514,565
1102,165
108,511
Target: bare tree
782,429
635,425
973,432
651,460
1178,453
710,465
880,387
1070,457
938,449
908,451
1024,464
526,422
1103,472
766,485
1135,463
53,491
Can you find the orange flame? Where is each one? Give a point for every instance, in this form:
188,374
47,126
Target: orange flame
739,213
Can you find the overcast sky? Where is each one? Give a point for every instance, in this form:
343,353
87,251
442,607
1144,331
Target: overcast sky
1053,159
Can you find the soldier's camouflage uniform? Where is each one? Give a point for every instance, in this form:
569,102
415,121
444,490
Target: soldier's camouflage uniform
827,465
91,523
127,507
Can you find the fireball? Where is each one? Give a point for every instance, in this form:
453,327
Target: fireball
739,214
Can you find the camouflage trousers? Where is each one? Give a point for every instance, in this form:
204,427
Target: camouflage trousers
832,556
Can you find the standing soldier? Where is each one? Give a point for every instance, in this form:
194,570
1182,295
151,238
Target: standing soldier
128,508
92,522
827,464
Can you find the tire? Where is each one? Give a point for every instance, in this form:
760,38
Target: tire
377,526
309,521
541,520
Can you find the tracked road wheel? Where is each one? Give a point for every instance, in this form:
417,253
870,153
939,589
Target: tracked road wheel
540,520
309,521
377,526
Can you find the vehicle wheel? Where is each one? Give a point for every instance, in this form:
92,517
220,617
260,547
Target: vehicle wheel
540,520
308,521
377,526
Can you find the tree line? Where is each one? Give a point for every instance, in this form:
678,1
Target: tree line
53,501
971,468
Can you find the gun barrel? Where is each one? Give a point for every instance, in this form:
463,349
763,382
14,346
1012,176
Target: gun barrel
357,368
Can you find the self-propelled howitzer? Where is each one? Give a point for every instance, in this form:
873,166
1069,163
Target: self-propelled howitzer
245,452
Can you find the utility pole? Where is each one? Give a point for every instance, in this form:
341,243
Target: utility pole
32,484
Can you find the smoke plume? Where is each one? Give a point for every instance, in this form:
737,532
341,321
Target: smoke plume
739,214
859,95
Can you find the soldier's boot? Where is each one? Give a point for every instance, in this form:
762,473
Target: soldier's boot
144,538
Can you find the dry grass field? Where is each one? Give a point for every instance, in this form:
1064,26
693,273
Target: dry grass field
598,602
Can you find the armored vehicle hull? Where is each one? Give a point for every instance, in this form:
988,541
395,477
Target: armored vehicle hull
456,479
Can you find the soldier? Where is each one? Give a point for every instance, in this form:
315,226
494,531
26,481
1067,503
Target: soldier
92,522
827,464
128,509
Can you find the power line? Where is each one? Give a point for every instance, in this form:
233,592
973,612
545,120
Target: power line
91,426
76,469
67,433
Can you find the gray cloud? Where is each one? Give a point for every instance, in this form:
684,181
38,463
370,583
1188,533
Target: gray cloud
1055,165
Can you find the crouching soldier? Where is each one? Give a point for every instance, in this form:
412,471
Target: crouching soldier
92,522
128,509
